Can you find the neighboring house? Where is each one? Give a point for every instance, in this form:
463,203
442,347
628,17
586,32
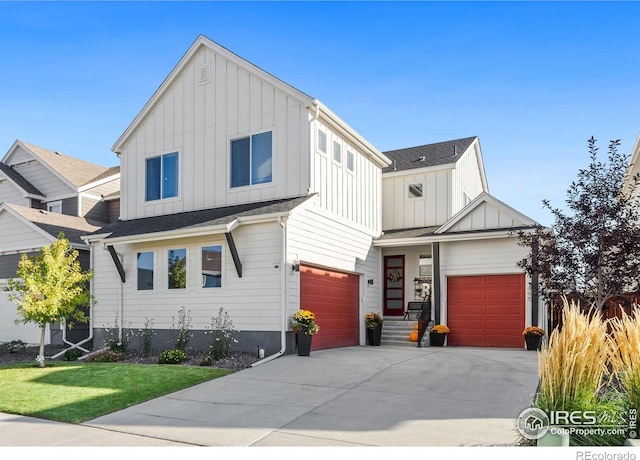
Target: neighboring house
441,227
633,169
239,191
43,193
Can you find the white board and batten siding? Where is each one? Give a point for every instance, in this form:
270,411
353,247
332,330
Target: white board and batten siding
199,120
466,178
9,330
253,301
335,244
399,210
353,193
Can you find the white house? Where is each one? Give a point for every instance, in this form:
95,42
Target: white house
43,193
443,228
239,191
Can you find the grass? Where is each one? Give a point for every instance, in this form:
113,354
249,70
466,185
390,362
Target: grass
77,392
626,359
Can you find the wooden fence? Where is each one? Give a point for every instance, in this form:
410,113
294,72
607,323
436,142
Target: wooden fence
613,308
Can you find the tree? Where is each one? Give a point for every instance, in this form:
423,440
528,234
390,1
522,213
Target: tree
50,287
593,249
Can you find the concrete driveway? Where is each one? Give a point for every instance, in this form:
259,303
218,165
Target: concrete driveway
356,396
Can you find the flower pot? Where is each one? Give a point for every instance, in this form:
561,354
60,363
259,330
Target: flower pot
304,342
373,335
436,340
533,342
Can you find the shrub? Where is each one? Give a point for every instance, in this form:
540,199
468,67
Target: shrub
113,340
626,359
183,334
221,331
147,335
15,346
175,356
71,354
206,361
108,356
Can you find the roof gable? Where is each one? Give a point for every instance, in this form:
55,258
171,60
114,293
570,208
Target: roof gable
200,42
72,171
485,213
20,182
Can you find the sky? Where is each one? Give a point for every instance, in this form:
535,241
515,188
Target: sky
533,80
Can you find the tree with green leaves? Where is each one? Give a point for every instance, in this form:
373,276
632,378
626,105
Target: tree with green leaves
51,287
592,250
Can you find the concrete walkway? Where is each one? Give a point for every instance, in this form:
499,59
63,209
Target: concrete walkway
356,396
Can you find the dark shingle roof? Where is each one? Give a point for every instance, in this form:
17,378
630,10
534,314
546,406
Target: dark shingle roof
424,156
408,233
198,219
16,177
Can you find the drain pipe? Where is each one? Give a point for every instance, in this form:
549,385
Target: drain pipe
64,326
283,287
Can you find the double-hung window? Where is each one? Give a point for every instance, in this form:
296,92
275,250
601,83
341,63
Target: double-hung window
161,177
251,160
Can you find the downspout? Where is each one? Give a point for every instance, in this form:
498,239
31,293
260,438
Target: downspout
283,296
64,327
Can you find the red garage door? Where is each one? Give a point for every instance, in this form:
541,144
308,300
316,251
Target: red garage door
333,297
486,311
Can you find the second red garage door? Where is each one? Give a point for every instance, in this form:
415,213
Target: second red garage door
486,311
333,297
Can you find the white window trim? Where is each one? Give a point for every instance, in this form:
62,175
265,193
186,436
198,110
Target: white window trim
222,267
333,153
166,269
155,273
144,182
346,163
271,184
326,139
408,196
52,204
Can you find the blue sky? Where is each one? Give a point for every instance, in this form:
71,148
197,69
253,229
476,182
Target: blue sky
534,80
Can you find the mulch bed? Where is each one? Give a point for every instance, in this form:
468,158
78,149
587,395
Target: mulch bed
235,361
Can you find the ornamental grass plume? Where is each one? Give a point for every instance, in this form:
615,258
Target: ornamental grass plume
625,360
573,364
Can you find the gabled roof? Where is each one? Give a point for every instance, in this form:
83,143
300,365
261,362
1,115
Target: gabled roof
73,171
17,179
196,221
203,41
51,223
484,217
484,213
424,156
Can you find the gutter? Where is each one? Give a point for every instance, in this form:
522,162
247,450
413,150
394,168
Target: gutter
283,287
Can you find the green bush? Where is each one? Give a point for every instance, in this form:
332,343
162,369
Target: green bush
72,354
175,356
15,346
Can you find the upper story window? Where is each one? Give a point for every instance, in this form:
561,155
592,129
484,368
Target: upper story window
350,160
337,154
415,190
251,160
161,177
55,206
322,141
145,271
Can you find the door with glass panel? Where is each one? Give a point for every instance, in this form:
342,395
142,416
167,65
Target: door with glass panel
393,286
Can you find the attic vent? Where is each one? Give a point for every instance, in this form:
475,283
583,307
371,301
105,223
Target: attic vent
205,74
455,150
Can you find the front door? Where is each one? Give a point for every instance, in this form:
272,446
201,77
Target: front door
393,286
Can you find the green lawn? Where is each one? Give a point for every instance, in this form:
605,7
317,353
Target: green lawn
77,392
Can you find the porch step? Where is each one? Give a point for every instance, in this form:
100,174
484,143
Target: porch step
396,332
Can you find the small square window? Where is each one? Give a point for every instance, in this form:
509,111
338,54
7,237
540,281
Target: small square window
251,159
426,266
337,155
322,141
55,207
415,190
350,160
161,177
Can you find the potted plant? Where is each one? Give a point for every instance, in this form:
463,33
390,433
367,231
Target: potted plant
373,323
305,327
533,337
438,334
